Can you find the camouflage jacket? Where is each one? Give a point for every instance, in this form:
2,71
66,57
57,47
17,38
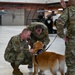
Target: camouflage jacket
44,35
15,49
67,19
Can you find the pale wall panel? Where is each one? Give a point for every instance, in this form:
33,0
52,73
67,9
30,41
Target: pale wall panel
32,1
17,19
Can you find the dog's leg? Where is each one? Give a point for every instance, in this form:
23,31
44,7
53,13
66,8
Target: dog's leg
62,67
53,71
54,66
41,72
62,73
35,70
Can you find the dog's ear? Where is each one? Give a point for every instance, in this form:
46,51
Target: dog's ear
37,45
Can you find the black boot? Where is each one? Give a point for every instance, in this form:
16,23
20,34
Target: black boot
30,65
16,71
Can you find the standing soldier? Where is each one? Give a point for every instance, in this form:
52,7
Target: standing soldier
63,4
68,18
39,33
17,51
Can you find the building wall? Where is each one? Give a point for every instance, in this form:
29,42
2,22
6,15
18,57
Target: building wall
33,1
30,14
13,17
19,17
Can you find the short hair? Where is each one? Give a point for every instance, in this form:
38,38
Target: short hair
39,26
26,29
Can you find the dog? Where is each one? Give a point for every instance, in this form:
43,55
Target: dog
47,60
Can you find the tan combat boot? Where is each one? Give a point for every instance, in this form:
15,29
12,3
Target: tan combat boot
16,71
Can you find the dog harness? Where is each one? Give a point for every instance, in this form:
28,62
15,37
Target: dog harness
39,52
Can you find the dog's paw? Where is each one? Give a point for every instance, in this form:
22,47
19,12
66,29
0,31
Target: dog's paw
41,73
34,74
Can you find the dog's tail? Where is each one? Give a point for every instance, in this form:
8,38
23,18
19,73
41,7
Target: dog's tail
62,65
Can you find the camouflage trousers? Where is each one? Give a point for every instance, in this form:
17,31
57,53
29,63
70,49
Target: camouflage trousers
70,57
23,58
70,73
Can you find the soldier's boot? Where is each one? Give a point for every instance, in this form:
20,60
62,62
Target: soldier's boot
30,65
16,71
70,73
66,74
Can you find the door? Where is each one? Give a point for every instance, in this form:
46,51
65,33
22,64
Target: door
0,19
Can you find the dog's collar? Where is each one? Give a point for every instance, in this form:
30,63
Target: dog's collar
39,52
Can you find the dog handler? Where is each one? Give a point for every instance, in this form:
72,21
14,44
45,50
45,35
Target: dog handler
39,33
68,18
17,51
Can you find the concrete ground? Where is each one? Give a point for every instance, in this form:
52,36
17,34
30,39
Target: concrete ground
6,32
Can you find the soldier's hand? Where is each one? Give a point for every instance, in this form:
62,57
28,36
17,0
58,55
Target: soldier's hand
44,45
28,41
31,50
66,39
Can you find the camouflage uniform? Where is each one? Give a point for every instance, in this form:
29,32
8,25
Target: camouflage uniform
17,51
43,36
68,18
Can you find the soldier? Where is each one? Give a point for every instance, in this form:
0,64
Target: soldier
39,33
17,51
63,4
68,18
49,24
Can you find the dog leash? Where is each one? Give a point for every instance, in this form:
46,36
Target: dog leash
52,42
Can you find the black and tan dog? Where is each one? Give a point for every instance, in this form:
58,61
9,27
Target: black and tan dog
47,60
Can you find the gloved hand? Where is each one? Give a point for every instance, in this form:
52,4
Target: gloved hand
31,50
65,38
